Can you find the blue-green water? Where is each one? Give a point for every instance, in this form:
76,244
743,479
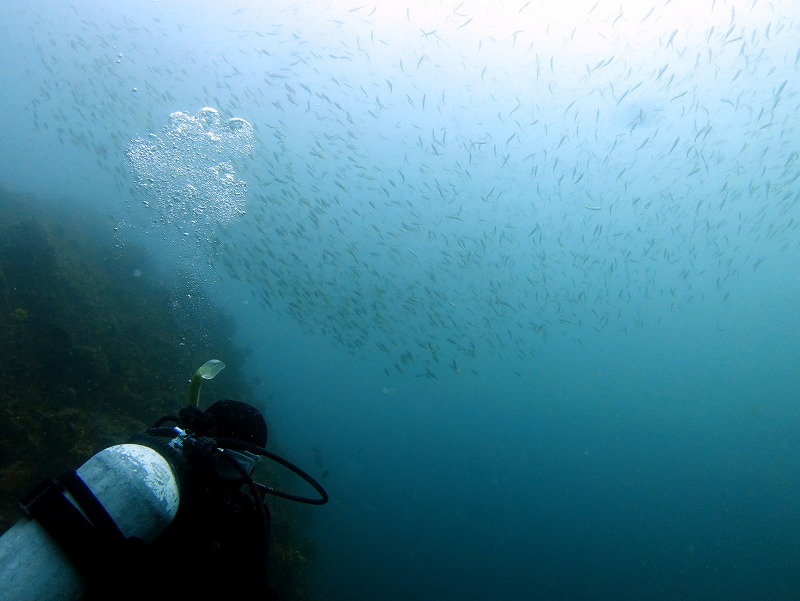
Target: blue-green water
523,280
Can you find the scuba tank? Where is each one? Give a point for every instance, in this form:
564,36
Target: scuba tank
134,486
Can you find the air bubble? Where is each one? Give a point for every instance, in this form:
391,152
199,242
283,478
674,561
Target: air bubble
187,167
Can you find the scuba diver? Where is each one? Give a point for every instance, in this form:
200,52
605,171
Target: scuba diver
173,511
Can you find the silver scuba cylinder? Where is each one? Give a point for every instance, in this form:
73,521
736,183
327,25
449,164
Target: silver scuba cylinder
136,486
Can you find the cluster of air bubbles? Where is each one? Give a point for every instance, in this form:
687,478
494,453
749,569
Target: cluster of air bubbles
187,168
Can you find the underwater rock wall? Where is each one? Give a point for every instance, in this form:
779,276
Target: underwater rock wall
91,348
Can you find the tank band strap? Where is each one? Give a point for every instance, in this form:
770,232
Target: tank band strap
84,532
91,506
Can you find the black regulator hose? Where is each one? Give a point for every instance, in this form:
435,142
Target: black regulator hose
256,450
232,443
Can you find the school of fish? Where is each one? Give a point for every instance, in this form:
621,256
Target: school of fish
429,191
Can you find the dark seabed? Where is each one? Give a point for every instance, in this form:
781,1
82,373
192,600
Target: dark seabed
518,281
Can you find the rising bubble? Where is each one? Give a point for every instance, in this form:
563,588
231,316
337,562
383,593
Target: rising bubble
188,167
